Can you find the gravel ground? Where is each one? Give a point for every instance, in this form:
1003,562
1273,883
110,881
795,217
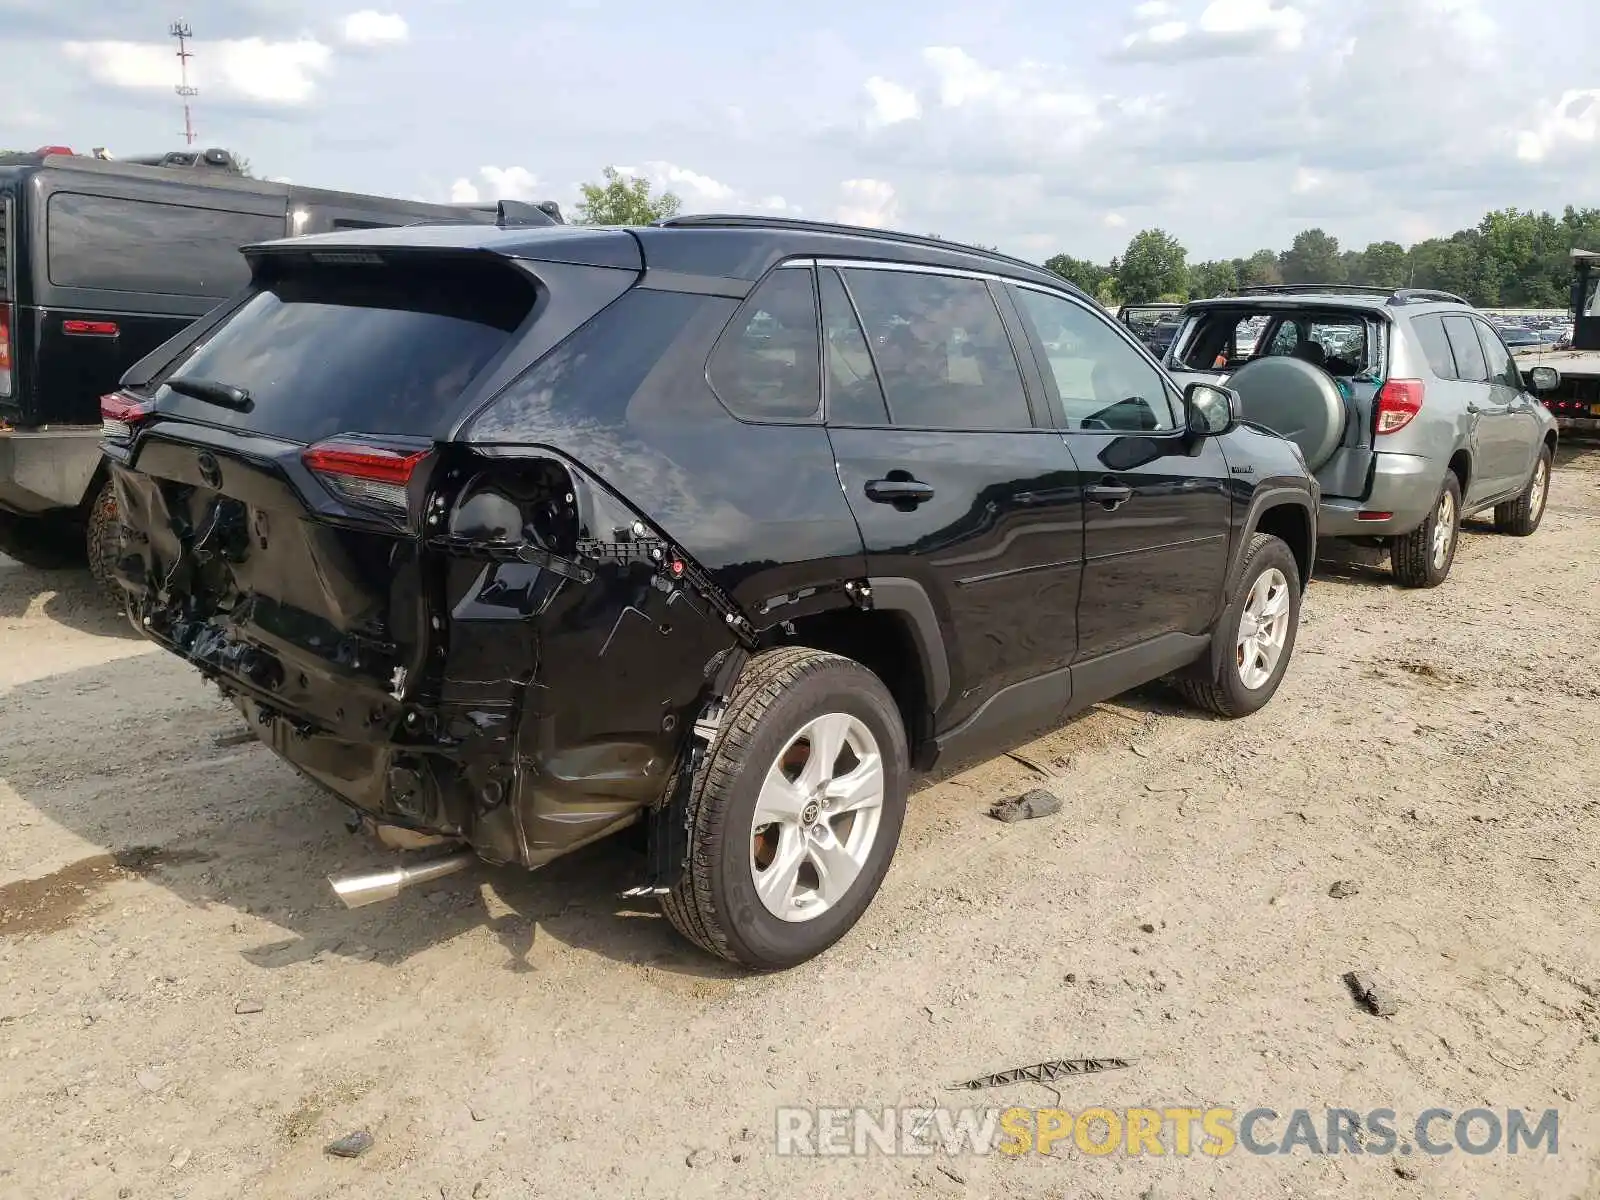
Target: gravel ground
186,1011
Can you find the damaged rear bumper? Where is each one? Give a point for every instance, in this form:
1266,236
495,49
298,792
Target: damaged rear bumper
525,699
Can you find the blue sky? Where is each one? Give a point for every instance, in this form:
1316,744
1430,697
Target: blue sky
1040,127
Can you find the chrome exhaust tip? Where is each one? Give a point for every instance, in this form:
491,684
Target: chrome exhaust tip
371,887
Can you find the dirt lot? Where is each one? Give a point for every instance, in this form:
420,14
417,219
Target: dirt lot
504,1034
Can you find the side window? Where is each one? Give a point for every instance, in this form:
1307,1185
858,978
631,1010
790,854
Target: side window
765,366
855,397
117,245
1286,339
1441,360
1501,367
1470,363
941,350
1104,382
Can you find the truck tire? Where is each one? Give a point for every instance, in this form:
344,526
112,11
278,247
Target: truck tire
47,543
1422,558
1254,638
770,894
1520,517
103,541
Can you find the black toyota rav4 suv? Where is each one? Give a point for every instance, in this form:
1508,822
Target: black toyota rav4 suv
720,527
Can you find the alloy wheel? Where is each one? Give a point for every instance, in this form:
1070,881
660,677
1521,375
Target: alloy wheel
816,818
1263,628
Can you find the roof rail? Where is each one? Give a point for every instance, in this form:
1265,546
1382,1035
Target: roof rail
801,225
1293,289
1425,296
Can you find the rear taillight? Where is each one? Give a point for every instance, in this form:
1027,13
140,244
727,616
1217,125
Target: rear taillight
365,474
120,415
1398,401
5,346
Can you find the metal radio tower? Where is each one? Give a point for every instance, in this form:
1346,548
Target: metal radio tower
183,33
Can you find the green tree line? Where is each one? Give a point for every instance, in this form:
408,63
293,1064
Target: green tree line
1510,259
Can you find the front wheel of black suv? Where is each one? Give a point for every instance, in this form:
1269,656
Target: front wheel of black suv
1254,639
796,812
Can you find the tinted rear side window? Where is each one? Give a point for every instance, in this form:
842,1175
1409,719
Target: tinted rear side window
942,352
765,367
363,350
116,245
1430,332
854,394
1470,363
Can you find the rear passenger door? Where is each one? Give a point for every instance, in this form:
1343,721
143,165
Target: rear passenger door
954,482
1156,503
1488,415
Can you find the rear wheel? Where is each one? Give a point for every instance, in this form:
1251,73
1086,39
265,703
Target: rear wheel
1422,558
47,543
795,814
104,542
1254,639
1520,517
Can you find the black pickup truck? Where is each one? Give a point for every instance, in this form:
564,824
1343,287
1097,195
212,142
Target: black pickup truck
100,263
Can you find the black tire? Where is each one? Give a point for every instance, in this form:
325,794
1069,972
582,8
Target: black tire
103,541
1520,517
716,905
1216,683
1411,557
47,543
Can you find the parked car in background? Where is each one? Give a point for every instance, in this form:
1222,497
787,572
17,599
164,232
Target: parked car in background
100,263
1153,324
1406,404
516,538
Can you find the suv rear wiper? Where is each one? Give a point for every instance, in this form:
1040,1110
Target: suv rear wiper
224,395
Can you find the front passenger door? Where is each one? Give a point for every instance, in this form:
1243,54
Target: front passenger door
1517,421
1156,503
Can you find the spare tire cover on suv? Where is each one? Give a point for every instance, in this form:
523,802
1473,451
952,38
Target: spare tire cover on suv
1295,399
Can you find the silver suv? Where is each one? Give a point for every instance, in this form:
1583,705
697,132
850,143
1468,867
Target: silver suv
1406,405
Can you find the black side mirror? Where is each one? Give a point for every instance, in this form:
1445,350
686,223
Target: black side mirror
1542,379
1210,410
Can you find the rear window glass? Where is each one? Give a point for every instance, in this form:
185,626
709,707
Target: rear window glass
116,245
1430,332
363,350
1470,363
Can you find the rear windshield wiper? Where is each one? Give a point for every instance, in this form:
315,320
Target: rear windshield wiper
224,395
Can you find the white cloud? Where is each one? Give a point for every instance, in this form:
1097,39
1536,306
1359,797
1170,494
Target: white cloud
870,202
498,183
279,73
891,103
1573,121
1305,181
1114,221
372,28
702,193
1225,28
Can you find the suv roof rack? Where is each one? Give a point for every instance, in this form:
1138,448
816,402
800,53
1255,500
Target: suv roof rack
801,225
1393,295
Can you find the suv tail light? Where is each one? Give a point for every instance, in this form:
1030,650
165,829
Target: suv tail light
5,341
120,415
1398,401
366,474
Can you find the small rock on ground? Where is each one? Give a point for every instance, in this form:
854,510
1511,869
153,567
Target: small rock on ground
1344,888
351,1145
1373,992
1026,807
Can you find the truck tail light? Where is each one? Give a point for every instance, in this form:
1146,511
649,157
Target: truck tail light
5,350
1399,400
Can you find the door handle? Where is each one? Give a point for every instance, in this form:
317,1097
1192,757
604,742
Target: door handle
1109,494
899,491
